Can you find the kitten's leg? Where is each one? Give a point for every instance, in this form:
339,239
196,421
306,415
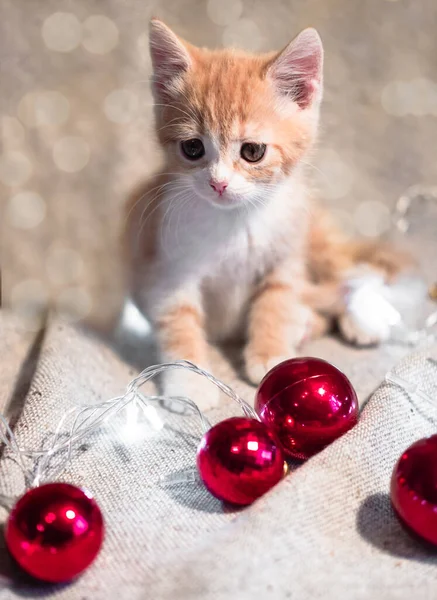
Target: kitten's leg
181,335
278,323
318,325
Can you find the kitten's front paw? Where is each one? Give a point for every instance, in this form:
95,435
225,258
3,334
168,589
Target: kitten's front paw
258,364
361,333
179,382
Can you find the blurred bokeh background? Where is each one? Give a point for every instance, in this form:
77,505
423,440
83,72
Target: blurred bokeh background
76,129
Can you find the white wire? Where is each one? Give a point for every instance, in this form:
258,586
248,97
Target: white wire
89,419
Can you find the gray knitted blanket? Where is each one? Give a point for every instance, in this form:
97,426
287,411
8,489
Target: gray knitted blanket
326,531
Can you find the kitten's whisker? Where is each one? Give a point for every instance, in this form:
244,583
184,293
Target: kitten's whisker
308,164
149,202
191,115
184,112
149,215
181,205
162,199
157,197
141,198
187,99
170,124
168,213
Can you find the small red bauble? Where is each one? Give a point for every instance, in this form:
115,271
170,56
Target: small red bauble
55,531
239,460
308,402
414,489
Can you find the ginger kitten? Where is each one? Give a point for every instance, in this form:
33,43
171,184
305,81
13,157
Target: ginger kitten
227,242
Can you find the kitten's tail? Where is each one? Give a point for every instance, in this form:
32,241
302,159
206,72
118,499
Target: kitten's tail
383,256
333,259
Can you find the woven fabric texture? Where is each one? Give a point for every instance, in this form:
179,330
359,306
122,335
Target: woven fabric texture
326,531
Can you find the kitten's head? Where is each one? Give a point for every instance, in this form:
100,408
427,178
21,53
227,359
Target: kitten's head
235,124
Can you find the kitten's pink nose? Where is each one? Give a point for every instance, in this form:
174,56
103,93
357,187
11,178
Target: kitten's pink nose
218,186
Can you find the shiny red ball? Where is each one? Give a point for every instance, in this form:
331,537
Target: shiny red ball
414,489
239,460
308,402
55,531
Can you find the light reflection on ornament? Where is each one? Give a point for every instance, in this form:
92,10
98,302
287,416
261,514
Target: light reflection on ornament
54,532
50,517
239,460
308,403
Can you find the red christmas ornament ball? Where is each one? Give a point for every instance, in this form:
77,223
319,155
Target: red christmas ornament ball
239,460
308,402
55,531
414,489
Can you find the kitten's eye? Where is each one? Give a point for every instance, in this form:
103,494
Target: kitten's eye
252,152
193,149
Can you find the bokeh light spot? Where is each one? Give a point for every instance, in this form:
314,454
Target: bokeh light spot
423,97
62,32
100,34
43,108
121,106
26,210
372,218
417,97
71,154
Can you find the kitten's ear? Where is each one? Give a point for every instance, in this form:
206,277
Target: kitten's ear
298,70
170,56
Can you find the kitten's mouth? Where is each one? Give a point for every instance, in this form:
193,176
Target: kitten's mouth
225,201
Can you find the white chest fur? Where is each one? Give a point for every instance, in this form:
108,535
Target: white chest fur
224,254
